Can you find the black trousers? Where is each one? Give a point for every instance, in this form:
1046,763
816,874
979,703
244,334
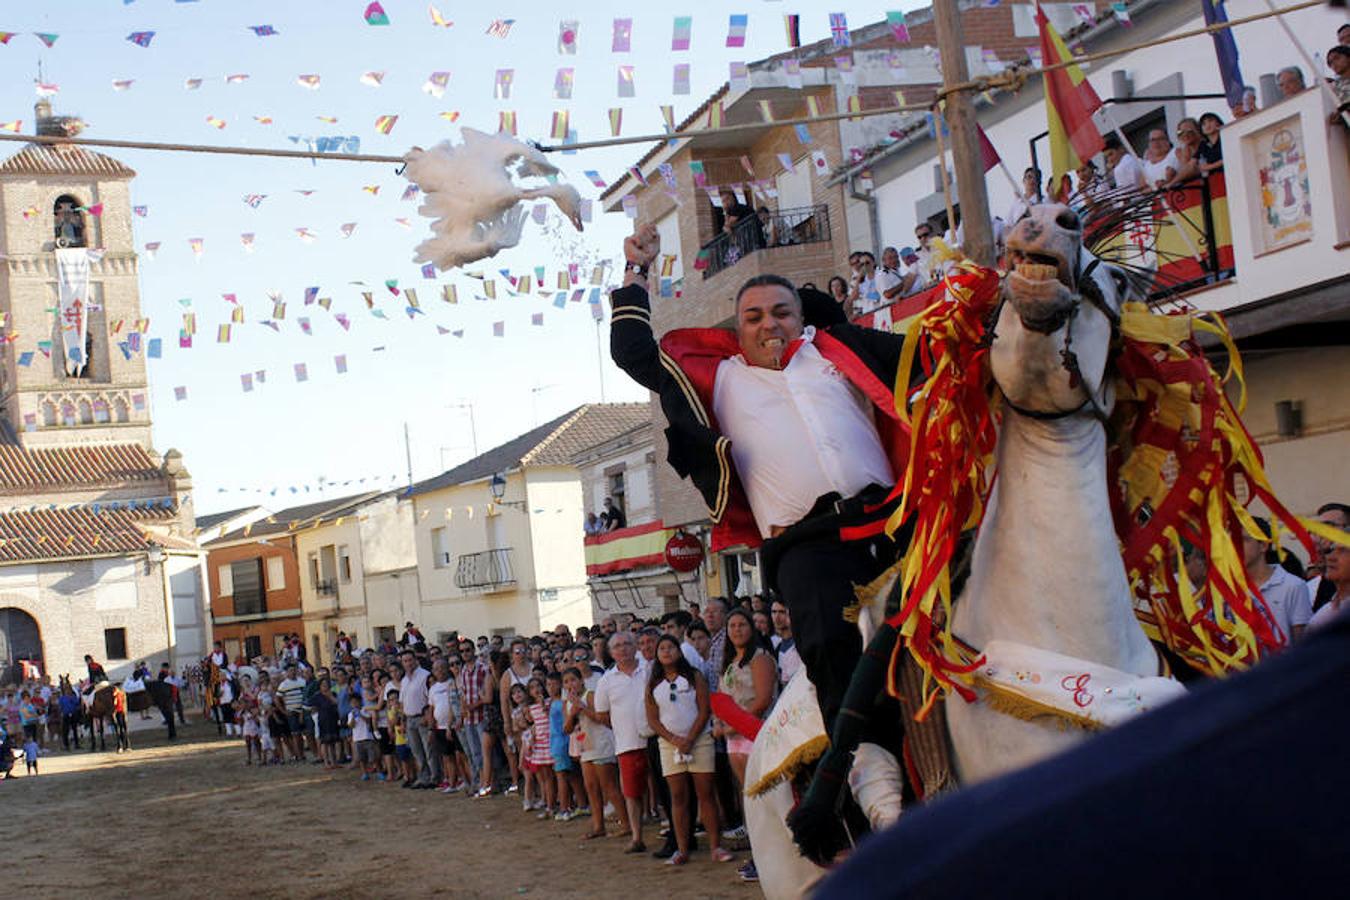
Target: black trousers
69,726
815,578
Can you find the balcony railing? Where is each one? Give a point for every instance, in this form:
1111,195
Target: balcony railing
326,588
803,225
485,571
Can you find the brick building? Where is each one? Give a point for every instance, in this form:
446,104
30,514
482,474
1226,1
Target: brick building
96,528
253,573
814,220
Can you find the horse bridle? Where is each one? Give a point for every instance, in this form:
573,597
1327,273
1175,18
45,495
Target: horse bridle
1087,289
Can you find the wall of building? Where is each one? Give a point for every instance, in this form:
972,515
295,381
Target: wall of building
283,608
462,511
557,541
392,598
74,601
1310,469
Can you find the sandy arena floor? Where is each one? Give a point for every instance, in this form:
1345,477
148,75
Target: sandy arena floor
189,819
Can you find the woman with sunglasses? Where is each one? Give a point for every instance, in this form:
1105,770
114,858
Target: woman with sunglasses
678,711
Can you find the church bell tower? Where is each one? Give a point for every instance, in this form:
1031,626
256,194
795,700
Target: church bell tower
72,354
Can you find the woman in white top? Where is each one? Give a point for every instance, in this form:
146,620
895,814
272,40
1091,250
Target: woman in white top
1160,159
1337,571
678,711
599,764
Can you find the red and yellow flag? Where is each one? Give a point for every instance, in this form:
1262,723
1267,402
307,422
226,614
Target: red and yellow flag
1070,102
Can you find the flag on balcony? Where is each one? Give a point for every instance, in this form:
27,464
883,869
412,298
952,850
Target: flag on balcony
1070,102
1225,48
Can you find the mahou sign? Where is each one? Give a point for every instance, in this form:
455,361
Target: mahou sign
684,552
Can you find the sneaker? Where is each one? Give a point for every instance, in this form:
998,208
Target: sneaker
582,811
735,834
482,792
722,854
748,872
514,788
545,814
381,777
677,859
566,815
365,776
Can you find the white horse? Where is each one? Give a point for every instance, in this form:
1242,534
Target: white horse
1047,599
1047,582
474,199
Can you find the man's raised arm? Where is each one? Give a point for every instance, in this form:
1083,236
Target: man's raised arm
631,343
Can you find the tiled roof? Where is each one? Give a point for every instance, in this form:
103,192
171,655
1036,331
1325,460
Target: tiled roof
43,468
63,159
211,520
554,443
294,518
41,534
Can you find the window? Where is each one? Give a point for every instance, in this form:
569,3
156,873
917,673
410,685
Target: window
224,577
615,480
344,564
68,222
314,569
252,647
115,643
440,548
384,633
276,574
794,188
247,576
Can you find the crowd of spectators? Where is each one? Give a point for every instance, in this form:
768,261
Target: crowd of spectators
613,725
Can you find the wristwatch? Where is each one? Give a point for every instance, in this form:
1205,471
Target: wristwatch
637,269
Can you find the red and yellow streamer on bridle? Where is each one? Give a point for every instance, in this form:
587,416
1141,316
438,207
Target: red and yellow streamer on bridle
1180,461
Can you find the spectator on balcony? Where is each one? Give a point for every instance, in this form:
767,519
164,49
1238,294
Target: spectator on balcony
1126,173
1029,196
929,272
912,270
1338,61
1210,152
593,525
894,282
1290,80
769,225
1160,159
1189,139
1247,105
863,292
613,518
738,222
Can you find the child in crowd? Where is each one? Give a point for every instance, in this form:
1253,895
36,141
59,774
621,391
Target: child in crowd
326,711
249,712
30,754
398,730
524,732
541,756
359,720
558,749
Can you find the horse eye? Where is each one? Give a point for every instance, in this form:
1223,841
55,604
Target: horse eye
1068,220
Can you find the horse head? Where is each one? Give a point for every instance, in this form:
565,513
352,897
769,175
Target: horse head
1050,348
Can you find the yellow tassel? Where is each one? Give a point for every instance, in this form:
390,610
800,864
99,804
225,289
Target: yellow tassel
803,756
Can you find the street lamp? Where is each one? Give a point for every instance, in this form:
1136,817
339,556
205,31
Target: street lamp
498,489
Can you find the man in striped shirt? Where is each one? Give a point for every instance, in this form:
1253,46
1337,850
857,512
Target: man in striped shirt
291,692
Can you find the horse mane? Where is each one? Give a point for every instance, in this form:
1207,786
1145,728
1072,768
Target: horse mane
1178,453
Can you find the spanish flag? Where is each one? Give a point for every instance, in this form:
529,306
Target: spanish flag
1070,102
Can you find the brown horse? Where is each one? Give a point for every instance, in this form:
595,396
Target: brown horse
99,711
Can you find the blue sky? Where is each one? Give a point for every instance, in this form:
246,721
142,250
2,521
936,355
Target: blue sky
347,427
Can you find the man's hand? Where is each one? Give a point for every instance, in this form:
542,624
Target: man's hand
643,246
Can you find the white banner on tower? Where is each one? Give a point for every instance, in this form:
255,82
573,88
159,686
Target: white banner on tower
72,279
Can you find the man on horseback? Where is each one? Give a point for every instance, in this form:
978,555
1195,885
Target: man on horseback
787,426
97,676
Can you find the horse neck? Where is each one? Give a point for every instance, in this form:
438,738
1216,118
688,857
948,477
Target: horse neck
1047,569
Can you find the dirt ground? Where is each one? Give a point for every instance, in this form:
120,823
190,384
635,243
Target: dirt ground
188,819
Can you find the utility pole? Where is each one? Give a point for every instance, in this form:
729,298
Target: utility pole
407,448
960,115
